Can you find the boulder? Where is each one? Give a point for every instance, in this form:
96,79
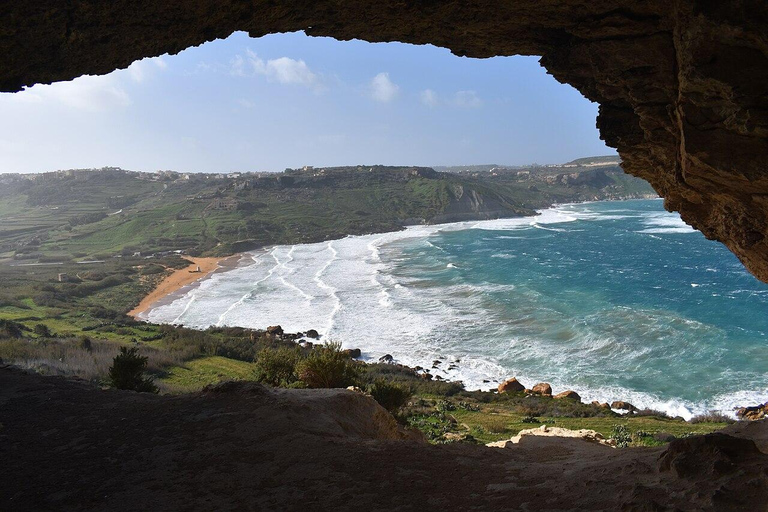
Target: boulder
603,405
542,388
352,353
387,358
572,395
312,334
623,406
511,386
754,413
275,330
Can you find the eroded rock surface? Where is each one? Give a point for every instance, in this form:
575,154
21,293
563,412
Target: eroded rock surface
683,85
65,445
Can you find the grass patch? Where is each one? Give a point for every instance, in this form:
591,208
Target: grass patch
198,373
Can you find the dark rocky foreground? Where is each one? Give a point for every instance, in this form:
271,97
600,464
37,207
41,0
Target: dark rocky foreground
67,446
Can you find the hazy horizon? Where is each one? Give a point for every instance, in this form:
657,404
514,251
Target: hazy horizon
289,100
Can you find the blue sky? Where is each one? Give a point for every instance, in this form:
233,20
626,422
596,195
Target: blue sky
288,100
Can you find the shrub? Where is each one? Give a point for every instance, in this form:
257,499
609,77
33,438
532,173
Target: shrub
328,367
445,406
621,435
712,417
392,397
42,331
127,371
10,329
277,367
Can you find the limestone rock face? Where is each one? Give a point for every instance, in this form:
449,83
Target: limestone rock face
681,85
545,431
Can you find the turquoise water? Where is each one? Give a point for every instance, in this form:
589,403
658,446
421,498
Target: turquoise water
616,300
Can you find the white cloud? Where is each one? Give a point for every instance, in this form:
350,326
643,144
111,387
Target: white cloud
383,89
137,72
289,71
237,66
86,93
283,70
467,99
141,69
429,98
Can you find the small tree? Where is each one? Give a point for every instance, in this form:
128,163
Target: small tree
42,331
127,371
392,397
10,329
328,367
277,367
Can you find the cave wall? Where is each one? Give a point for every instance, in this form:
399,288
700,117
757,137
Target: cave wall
682,84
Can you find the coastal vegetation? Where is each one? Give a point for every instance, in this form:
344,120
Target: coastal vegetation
79,249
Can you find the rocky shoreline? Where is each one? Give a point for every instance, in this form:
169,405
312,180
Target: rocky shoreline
311,338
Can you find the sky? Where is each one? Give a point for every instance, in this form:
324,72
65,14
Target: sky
289,100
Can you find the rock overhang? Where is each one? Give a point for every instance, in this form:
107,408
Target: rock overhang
682,85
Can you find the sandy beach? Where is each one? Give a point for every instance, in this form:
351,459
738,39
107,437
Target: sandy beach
179,279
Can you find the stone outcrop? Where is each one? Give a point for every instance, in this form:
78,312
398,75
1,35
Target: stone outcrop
753,413
511,386
542,388
591,436
621,405
570,395
681,84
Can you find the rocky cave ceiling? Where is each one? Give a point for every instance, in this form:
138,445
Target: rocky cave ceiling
682,84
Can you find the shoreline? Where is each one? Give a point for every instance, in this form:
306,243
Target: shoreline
171,287
182,279
672,406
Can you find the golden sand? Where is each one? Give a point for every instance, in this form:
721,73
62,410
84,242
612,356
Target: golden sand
177,280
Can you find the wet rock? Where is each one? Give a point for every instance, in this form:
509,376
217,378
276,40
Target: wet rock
275,330
313,334
757,412
352,353
387,358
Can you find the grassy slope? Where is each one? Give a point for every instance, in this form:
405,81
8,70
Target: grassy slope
198,373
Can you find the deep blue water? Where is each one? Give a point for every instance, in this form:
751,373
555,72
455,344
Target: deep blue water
617,300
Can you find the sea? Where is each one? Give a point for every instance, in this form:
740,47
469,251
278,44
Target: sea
617,300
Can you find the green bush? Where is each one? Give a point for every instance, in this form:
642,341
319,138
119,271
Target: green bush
621,435
277,367
10,329
127,371
392,397
42,331
328,367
